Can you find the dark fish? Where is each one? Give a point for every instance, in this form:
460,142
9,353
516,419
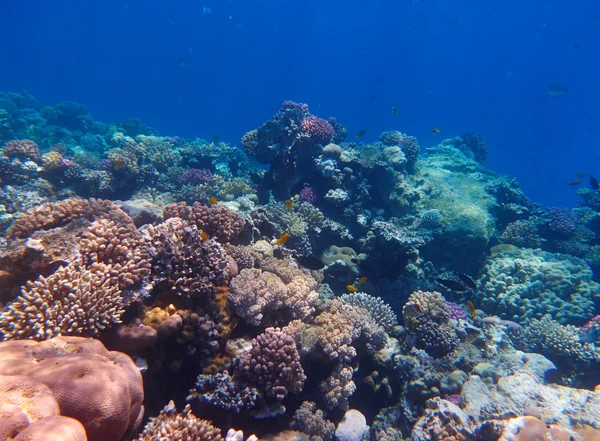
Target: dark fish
215,139
456,281
555,89
575,182
182,62
395,110
581,174
309,262
361,134
594,183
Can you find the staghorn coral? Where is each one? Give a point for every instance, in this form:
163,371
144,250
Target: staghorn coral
380,312
101,389
217,221
263,297
191,266
273,364
73,301
311,420
174,426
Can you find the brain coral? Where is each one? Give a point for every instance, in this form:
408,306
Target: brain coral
521,284
101,389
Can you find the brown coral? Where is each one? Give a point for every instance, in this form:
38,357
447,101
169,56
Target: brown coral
101,389
217,221
72,301
173,426
22,149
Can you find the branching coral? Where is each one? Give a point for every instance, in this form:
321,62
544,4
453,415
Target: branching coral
338,387
310,420
173,426
217,221
265,297
191,266
72,301
273,363
23,149
380,311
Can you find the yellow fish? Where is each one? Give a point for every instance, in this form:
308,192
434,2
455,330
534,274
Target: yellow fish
351,288
289,204
434,131
282,239
471,308
204,235
362,280
213,200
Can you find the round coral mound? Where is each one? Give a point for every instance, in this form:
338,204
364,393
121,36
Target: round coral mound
101,389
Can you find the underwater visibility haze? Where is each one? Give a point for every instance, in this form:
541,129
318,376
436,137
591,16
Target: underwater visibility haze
236,220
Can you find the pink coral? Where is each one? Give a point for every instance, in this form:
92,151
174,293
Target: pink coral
22,149
319,130
101,389
273,363
273,296
307,194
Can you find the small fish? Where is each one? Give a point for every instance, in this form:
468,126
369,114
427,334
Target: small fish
289,204
361,134
555,89
395,110
435,130
213,200
309,262
575,182
204,235
412,310
172,19
471,309
580,174
206,10
362,280
282,239
351,288
215,139
594,183
456,281
182,63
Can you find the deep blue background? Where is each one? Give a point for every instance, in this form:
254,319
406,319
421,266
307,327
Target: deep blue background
479,65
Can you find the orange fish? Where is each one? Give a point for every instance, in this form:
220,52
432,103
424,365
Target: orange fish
575,182
282,239
204,235
362,280
213,200
471,308
289,204
351,288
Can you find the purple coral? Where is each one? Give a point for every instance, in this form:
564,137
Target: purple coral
273,363
307,194
196,176
456,311
562,221
590,332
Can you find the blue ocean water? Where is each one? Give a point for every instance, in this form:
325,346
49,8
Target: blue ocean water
458,66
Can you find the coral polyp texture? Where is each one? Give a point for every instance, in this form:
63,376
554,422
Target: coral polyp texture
305,285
